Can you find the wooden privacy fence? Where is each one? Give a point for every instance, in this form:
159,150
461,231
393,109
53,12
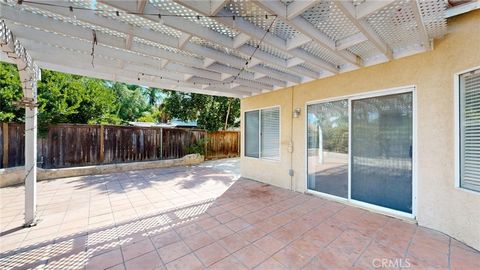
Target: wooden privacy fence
12,145
70,145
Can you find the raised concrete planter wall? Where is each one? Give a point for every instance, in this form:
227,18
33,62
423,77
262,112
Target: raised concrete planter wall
14,176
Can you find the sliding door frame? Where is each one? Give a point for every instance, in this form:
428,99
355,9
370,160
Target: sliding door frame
378,93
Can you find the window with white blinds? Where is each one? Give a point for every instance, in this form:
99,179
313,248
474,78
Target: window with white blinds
470,130
262,133
270,133
252,138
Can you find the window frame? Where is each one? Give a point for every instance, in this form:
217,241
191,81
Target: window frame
276,159
457,130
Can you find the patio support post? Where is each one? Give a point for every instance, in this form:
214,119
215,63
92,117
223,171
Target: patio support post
29,101
29,74
30,165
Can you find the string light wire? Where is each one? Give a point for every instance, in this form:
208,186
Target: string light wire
197,17
118,12
245,66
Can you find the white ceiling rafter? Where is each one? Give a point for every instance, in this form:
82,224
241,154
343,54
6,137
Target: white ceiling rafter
303,26
199,45
218,67
208,62
89,17
239,42
297,41
366,8
38,21
48,43
350,41
349,10
209,35
208,8
424,39
183,39
124,56
256,86
128,61
257,33
296,8
67,62
141,5
195,29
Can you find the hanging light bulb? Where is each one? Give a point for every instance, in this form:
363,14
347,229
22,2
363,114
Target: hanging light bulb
72,14
160,20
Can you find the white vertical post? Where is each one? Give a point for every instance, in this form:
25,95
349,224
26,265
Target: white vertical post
29,74
30,165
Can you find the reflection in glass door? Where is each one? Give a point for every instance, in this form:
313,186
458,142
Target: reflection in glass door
381,151
327,147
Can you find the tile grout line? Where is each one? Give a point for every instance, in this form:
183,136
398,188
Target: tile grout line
449,253
372,239
407,250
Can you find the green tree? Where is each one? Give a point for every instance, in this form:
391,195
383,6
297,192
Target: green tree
154,116
211,112
131,101
10,91
66,98
153,95
63,98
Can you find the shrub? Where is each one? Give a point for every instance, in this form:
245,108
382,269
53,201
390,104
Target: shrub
198,147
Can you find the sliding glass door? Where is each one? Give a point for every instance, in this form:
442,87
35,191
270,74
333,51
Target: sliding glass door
381,145
327,152
361,149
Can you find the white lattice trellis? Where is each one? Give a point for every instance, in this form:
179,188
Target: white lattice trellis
196,42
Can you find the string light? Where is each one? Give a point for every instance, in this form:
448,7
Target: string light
234,78
198,17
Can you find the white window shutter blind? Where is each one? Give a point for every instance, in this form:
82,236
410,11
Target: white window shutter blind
252,134
270,133
470,130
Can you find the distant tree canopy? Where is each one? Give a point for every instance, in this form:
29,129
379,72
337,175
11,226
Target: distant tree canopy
211,112
10,90
66,98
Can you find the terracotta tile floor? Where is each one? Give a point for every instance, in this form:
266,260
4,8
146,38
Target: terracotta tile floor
204,217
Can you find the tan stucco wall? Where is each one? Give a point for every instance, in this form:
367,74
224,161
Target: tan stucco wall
440,205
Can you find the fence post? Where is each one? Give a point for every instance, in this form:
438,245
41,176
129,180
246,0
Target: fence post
207,141
161,143
5,145
102,144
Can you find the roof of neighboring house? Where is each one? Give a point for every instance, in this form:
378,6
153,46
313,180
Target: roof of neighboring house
172,123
